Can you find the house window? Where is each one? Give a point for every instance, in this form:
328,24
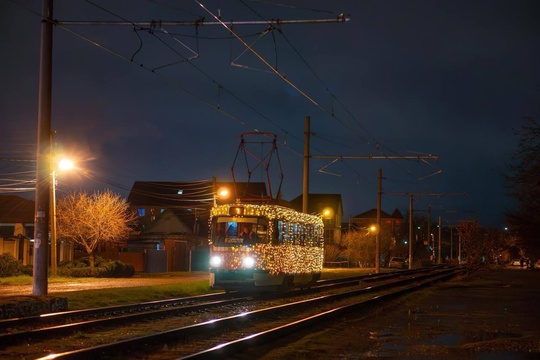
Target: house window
141,212
329,236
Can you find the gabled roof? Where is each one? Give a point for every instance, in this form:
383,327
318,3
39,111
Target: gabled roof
317,202
372,214
15,209
173,221
181,194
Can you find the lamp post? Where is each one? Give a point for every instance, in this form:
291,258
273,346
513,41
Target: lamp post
64,164
374,229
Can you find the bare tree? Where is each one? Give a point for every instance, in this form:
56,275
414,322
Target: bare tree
524,183
89,220
359,247
480,247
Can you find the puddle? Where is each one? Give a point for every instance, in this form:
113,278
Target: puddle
388,348
446,340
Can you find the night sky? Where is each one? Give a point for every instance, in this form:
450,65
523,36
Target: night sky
168,103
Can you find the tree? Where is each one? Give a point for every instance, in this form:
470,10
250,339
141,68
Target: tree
359,247
480,248
524,181
89,220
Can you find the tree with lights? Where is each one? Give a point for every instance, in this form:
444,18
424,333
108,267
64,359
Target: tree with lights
89,220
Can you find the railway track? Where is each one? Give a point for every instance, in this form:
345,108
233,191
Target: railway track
190,321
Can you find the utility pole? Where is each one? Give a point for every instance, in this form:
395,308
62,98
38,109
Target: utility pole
410,230
43,166
305,183
439,261
378,234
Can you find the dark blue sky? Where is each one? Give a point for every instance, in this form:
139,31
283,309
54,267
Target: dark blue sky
401,78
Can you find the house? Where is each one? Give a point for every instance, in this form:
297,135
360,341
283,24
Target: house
331,209
391,224
368,218
173,220
17,227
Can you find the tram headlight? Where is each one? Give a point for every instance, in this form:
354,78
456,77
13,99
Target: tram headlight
216,261
248,262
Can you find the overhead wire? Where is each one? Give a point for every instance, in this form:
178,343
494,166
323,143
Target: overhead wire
219,108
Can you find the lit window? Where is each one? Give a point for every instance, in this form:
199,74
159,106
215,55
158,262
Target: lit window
180,192
141,212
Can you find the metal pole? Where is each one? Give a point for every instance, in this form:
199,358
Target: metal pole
439,261
42,199
410,229
54,268
459,248
378,234
158,23
429,232
305,185
451,243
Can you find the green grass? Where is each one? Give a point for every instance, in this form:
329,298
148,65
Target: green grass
122,296
85,299
16,280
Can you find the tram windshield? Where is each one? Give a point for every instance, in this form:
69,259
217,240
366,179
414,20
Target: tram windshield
229,230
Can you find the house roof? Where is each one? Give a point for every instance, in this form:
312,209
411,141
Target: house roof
372,214
197,194
317,202
15,209
179,221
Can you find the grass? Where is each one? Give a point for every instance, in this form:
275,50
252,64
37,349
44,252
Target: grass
85,299
120,296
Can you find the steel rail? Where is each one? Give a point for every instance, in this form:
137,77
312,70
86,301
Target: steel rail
204,328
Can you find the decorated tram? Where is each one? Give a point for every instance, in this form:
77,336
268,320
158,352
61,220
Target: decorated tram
262,246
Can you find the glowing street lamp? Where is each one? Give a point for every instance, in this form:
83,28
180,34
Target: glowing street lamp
63,165
222,193
327,213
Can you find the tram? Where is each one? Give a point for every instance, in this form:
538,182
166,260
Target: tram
263,246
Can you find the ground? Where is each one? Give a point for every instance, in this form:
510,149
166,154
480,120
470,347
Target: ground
493,316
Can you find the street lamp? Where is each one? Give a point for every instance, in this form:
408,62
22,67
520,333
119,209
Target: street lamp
328,213
64,164
222,193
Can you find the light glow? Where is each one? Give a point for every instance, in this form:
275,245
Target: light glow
65,164
216,261
248,262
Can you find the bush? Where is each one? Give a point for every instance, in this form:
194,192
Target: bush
9,266
116,269
103,268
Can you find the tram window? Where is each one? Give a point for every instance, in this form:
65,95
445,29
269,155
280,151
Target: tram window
262,232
